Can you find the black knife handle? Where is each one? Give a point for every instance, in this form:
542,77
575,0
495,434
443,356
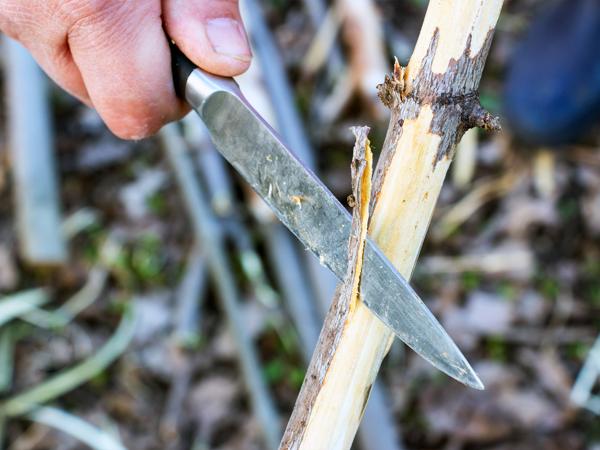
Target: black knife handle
182,68
195,85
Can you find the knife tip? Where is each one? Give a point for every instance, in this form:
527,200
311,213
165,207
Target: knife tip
466,374
457,366
473,380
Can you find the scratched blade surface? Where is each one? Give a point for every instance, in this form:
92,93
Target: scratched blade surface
322,224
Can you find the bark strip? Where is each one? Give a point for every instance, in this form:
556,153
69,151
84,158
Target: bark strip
346,297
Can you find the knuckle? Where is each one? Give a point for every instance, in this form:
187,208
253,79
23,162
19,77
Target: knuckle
76,11
103,16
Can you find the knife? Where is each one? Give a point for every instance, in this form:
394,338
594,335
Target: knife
312,213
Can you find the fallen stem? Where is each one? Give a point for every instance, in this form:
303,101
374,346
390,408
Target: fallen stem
17,305
73,377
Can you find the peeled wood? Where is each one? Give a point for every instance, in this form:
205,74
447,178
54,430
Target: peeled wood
287,259
433,101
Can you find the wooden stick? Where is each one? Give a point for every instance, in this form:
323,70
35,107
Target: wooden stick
41,240
433,102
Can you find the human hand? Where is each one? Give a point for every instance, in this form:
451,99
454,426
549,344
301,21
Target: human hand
114,54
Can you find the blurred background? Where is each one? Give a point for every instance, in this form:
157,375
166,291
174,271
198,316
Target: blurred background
117,331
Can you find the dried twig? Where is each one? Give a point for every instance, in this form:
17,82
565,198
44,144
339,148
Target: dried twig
544,173
292,282
465,160
363,32
485,191
169,427
324,44
185,336
189,297
37,203
208,234
317,11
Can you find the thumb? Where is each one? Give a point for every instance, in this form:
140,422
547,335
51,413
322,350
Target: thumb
210,33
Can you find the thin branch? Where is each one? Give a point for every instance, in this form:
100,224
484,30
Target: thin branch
189,299
208,234
36,188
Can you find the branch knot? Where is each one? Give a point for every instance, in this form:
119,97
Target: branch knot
474,115
392,92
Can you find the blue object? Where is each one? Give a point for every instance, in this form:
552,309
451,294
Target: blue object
552,89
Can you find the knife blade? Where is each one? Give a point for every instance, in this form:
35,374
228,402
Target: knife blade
312,213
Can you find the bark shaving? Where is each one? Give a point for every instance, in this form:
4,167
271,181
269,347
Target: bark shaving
346,295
